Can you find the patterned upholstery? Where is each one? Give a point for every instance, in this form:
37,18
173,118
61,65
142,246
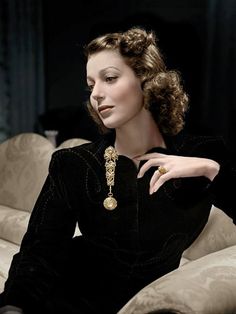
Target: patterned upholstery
205,283
204,286
10,217
7,250
24,161
219,233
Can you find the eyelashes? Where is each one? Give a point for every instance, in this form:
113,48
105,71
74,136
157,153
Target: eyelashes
108,79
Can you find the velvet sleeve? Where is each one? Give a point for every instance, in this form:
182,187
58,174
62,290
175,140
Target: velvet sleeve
223,186
42,256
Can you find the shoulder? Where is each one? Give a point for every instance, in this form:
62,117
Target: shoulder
207,146
204,142
84,154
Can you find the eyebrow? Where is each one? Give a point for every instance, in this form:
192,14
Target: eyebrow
104,70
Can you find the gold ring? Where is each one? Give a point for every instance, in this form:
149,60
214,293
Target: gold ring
162,170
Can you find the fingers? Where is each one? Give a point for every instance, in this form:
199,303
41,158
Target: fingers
153,180
159,182
159,177
153,160
150,163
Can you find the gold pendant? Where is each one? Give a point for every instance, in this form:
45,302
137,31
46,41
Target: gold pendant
110,203
110,156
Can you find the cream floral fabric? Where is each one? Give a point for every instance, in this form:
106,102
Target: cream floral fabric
7,250
72,142
13,224
204,286
219,233
24,163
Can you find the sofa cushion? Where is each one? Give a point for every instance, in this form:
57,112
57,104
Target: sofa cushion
2,282
203,286
13,224
72,142
7,250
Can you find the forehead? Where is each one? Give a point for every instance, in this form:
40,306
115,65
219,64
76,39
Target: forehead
105,59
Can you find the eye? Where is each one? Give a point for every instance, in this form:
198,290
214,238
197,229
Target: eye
110,79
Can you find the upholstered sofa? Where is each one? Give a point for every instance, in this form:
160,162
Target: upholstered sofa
205,282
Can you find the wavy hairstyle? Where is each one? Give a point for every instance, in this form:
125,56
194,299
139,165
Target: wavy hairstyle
162,89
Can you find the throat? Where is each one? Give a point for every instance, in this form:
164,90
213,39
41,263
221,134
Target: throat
126,148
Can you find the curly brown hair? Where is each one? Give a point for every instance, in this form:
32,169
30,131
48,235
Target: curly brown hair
162,89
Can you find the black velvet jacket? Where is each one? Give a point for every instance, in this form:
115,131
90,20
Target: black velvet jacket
150,228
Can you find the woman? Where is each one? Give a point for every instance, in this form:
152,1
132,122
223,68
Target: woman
141,194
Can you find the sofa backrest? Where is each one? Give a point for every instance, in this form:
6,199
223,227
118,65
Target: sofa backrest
24,161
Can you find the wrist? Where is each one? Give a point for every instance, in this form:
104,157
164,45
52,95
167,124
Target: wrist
212,169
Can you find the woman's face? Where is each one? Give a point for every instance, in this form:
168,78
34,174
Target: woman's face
116,93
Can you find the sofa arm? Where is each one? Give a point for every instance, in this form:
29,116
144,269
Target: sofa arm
203,286
219,233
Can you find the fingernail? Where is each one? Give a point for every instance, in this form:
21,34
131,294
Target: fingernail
139,176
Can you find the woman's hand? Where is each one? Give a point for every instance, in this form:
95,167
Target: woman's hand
176,167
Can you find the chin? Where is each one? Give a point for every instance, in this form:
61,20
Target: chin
111,125
114,123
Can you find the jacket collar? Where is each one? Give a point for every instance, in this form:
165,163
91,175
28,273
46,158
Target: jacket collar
97,149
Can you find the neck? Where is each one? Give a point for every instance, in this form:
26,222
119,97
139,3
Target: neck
138,139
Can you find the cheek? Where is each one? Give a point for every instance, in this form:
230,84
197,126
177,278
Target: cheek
92,103
135,94
129,92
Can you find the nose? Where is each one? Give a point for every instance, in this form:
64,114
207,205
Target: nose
97,93
98,98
